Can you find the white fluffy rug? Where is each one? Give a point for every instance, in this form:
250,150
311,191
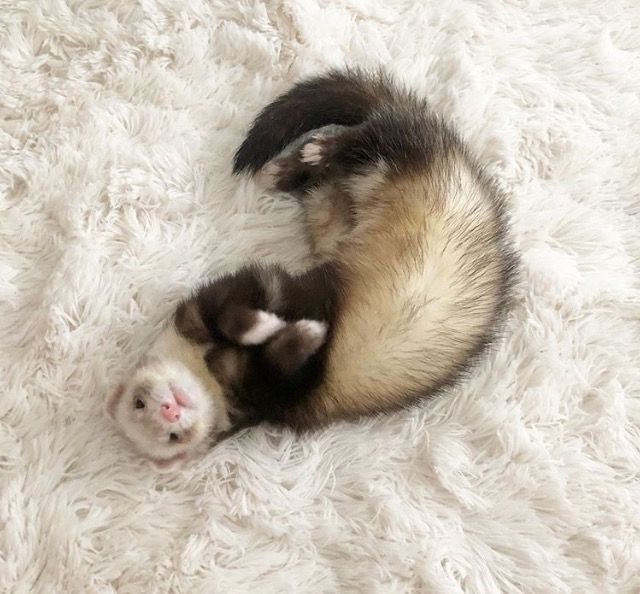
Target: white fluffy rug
118,123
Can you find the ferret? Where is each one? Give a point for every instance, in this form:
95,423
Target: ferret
413,269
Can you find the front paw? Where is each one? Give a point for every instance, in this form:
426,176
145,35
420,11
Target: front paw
264,326
247,326
296,344
312,335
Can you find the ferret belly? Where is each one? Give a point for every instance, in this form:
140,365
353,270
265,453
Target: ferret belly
422,288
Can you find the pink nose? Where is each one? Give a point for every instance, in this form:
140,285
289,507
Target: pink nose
170,412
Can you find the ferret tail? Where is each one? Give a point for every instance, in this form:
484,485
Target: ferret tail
344,97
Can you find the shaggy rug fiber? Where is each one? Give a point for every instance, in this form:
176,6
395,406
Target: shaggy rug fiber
118,123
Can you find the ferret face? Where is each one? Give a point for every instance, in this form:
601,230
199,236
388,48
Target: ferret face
171,406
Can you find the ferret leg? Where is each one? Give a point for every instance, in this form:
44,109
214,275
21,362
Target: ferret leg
239,324
294,345
246,326
309,162
393,139
233,307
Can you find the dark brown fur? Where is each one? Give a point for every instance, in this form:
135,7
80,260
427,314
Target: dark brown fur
263,379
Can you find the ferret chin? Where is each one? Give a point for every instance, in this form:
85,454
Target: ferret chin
170,408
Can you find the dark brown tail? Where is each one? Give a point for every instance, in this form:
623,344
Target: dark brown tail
341,97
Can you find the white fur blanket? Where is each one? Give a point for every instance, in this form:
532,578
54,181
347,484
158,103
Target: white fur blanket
118,124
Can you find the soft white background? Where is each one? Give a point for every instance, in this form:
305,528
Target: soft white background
118,123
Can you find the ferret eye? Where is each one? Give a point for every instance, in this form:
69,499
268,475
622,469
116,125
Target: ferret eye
174,437
139,403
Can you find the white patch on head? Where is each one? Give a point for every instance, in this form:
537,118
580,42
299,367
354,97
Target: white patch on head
312,152
172,365
266,325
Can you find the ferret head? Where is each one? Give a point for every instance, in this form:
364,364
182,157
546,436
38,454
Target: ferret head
171,407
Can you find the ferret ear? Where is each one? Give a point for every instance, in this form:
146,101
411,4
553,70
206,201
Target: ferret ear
112,400
169,464
189,322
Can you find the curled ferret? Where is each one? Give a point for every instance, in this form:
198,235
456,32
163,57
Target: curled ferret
412,279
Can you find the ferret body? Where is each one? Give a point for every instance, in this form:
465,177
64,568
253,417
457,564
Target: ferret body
412,279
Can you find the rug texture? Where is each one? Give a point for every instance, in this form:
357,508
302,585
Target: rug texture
118,121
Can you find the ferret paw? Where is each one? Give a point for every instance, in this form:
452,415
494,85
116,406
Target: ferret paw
291,348
313,332
300,168
313,152
265,325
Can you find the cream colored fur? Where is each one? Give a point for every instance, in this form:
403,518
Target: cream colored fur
117,125
423,284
